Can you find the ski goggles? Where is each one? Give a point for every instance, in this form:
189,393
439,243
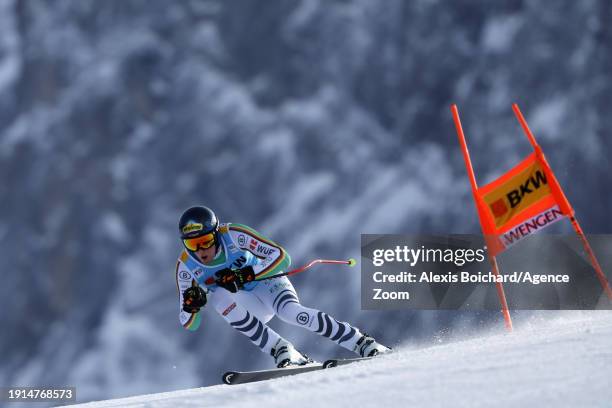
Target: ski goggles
205,241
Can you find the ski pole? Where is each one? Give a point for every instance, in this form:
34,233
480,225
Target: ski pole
350,262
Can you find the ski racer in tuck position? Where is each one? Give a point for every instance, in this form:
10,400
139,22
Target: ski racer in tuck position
220,265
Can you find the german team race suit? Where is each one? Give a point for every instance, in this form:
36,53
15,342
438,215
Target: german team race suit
249,310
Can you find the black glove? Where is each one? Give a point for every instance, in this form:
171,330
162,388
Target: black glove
193,299
234,279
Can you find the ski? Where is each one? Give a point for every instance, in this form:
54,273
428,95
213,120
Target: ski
343,361
242,377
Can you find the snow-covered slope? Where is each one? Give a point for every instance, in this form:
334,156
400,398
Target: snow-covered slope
548,361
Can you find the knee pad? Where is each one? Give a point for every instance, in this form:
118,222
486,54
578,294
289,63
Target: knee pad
296,314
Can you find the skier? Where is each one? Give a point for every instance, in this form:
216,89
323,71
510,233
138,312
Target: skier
220,264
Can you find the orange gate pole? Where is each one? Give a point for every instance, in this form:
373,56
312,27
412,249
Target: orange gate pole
564,204
482,216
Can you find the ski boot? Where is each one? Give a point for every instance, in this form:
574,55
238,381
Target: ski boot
286,355
368,347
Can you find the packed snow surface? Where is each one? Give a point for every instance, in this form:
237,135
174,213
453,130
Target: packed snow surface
547,361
